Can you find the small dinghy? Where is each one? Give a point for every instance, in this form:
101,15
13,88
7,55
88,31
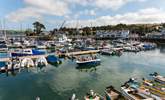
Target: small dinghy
112,94
52,59
41,62
93,96
27,62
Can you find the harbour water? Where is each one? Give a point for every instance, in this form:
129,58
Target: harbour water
59,83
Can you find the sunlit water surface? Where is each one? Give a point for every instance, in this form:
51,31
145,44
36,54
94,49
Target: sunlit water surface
59,83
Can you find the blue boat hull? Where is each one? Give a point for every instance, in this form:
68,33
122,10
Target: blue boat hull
93,63
2,64
19,54
53,60
34,52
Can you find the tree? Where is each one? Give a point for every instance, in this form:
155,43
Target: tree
38,27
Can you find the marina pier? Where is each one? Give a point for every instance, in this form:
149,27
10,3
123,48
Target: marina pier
64,54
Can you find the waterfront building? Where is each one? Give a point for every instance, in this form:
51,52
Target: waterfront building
112,34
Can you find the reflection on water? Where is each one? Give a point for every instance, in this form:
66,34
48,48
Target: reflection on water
10,73
59,83
4,55
162,48
87,68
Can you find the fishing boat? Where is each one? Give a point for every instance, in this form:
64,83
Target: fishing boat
92,96
88,60
41,62
131,91
112,94
52,59
27,52
27,62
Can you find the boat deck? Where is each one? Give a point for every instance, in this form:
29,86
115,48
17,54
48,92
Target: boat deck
155,91
113,95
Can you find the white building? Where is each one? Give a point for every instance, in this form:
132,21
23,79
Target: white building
113,34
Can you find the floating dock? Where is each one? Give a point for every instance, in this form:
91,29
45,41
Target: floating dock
82,52
65,54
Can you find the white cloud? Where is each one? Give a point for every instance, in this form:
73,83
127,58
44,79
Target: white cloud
53,7
86,12
149,15
23,14
38,8
104,4
113,4
90,12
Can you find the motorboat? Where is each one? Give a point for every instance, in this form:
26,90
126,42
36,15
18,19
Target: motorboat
27,52
88,60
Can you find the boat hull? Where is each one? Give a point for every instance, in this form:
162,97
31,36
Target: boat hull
89,63
19,54
34,52
53,60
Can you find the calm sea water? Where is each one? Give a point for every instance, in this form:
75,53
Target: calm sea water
59,83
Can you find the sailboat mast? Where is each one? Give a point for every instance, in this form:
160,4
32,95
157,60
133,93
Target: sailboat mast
4,28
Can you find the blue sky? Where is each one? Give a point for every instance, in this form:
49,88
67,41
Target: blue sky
80,13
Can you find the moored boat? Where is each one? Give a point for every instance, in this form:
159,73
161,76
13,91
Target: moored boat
92,96
27,52
111,52
3,48
112,94
106,52
12,65
158,78
157,90
27,62
89,60
41,62
131,91
52,59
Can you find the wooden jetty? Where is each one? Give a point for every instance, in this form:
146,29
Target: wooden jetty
82,52
65,54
